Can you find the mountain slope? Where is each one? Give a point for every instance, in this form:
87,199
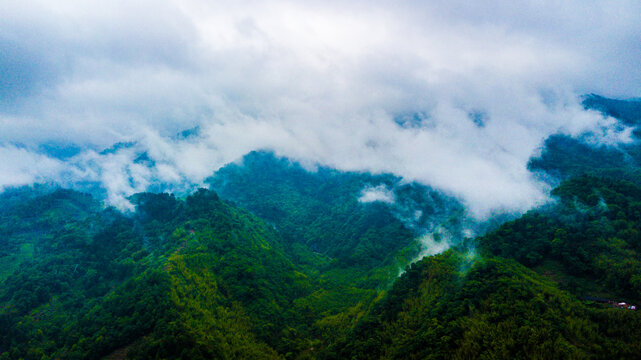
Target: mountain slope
324,211
590,239
459,306
482,301
209,280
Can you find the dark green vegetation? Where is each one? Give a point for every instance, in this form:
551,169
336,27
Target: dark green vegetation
194,279
461,306
592,238
320,212
310,272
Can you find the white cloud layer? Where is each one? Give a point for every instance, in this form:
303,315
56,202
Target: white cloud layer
453,94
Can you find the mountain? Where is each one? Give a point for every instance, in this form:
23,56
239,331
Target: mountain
325,211
193,278
199,277
460,306
281,261
537,287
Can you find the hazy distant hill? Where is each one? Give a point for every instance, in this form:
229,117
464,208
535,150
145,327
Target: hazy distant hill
563,156
628,111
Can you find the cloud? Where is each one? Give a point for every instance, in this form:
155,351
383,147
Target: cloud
432,246
22,167
377,193
321,82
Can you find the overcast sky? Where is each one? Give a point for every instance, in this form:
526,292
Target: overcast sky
454,94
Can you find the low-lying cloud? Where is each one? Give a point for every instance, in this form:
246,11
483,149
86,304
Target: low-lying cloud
455,95
377,193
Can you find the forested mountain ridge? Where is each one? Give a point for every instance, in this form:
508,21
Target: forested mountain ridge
323,210
281,262
199,278
193,278
454,305
179,278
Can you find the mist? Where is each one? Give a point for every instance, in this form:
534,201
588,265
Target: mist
448,94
